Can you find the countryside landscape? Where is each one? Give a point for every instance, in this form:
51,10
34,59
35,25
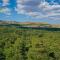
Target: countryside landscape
29,41
29,29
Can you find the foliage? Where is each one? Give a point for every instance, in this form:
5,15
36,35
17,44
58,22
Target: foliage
29,44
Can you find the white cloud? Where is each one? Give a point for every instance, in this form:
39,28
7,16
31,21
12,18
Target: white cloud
22,1
39,8
46,6
5,2
20,11
20,7
50,10
6,11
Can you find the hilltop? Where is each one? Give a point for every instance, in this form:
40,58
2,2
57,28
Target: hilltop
30,24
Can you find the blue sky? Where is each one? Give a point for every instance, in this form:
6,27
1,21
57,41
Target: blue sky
30,10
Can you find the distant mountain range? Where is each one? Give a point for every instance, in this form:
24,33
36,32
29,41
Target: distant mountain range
30,24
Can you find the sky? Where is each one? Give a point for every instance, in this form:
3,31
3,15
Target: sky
30,11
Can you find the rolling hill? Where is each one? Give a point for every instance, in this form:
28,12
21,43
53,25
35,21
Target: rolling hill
30,24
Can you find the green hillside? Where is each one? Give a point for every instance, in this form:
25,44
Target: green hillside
17,43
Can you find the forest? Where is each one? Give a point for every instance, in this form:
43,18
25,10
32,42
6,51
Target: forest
29,43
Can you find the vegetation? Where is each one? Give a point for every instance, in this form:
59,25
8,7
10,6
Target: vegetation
29,44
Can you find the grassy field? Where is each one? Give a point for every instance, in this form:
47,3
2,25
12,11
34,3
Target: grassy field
29,44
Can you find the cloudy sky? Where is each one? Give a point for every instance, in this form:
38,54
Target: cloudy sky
30,10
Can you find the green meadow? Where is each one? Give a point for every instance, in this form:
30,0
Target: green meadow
29,44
